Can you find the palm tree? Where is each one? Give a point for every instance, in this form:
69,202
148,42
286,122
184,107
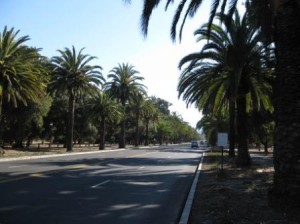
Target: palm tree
22,76
124,82
106,109
280,18
164,130
138,99
21,73
150,113
232,75
211,124
73,76
190,8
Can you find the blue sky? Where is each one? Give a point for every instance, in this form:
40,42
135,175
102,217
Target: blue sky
110,30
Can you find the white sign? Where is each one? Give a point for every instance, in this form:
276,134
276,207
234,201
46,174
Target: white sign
222,139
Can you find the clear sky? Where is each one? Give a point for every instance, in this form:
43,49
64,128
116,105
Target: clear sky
110,30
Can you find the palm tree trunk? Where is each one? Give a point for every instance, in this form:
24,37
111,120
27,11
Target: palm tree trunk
122,133
243,157
231,128
1,131
266,147
102,134
70,129
287,110
1,104
147,133
137,134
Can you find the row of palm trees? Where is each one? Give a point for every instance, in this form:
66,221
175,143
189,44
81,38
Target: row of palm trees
276,22
28,77
229,71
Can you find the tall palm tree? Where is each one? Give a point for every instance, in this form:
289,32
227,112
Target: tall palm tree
138,99
211,124
232,74
72,75
105,108
150,113
187,8
20,71
22,75
124,81
279,19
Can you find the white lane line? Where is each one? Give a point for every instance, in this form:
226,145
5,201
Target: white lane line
188,204
102,183
11,167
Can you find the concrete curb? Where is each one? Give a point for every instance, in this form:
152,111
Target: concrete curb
72,153
188,204
56,155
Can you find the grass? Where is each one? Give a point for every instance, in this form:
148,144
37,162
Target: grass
237,195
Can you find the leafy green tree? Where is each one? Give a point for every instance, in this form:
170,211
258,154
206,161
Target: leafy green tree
85,127
106,109
72,75
178,127
22,77
162,105
24,122
124,82
164,131
55,122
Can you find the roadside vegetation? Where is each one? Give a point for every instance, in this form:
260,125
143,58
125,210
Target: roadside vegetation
247,66
66,100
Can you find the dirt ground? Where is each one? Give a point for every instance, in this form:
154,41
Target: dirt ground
237,196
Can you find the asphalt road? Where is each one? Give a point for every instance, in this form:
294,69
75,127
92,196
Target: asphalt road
122,186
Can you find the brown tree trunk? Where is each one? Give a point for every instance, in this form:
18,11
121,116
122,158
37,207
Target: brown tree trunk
1,130
147,133
122,133
231,128
243,157
137,133
266,147
102,134
70,128
287,104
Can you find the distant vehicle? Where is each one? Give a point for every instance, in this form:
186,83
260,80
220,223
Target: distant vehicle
194,144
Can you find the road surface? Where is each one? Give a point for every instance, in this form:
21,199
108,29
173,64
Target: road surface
122,186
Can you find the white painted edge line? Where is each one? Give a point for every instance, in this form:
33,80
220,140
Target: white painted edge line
188,204
97,185
57,155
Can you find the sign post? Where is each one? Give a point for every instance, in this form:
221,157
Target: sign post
222,141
